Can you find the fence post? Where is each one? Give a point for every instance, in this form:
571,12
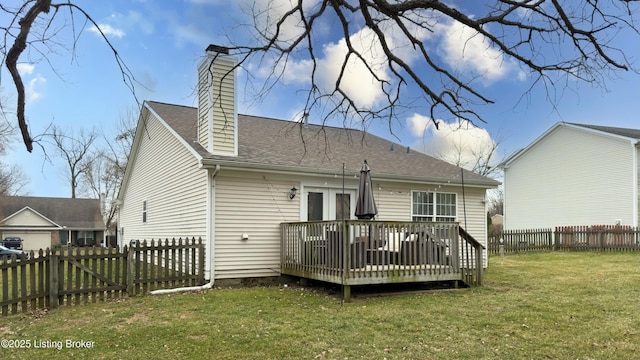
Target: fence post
201,259
131,268
54,281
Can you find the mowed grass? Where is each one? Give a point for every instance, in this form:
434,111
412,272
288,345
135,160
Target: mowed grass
534,306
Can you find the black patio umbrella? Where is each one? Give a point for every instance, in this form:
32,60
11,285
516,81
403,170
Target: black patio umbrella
366,206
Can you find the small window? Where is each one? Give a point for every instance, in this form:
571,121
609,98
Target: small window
144,211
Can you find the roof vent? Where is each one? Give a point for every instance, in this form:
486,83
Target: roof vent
408,150
391,148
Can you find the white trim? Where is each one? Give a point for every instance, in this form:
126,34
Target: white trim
505,164
337,174
140,128
435,204
174,133
329,192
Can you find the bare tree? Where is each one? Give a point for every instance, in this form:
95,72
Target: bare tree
34,24
387,44
496,202
76,152
105,171
550,41
12,178
480,158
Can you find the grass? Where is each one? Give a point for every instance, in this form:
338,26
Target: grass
533,306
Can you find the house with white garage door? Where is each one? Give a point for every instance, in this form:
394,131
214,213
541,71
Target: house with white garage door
43,222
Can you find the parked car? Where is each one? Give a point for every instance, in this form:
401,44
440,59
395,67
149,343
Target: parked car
6,253
12,243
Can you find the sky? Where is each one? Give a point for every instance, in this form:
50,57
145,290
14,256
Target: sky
80,87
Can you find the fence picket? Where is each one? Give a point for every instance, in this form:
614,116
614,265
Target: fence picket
73,276
567,238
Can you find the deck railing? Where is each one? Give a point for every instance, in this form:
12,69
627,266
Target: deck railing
360,252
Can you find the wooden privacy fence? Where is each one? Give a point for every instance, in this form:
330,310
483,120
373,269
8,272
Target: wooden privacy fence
48,279
567,238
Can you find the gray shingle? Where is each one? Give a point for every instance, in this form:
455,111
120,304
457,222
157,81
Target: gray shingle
630,133
281,144
72,213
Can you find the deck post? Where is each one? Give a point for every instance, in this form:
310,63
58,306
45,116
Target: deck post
346,293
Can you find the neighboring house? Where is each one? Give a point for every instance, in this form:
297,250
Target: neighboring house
574,174
232,179
44,222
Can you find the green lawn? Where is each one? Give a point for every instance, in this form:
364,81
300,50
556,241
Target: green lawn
534,306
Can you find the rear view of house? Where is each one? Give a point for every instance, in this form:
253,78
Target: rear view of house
233,179
574,175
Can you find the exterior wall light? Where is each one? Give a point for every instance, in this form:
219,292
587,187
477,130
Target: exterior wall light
292,193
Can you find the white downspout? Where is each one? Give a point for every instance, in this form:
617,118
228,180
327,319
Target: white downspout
636,184
210,241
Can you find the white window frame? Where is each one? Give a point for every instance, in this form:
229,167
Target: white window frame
329,201
434,216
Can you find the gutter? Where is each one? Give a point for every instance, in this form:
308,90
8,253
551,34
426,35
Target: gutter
296,170
210,234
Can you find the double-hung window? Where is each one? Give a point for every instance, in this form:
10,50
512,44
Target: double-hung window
430,206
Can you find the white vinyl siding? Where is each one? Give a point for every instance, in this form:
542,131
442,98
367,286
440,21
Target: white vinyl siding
27,218
167,178
254,204
570,177
217,132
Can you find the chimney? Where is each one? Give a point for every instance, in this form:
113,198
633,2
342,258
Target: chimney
217,117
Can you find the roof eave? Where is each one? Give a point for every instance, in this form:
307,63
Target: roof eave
244,166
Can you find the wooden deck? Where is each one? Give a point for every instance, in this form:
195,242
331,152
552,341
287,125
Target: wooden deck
358,252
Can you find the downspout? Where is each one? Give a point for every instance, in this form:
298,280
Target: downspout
636,183
211,242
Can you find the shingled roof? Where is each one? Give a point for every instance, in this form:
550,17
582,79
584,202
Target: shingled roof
629,133
265,143
65,212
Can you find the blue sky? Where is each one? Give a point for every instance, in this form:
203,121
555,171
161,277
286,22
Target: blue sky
162,42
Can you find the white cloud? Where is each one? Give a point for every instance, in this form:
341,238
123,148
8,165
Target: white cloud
25,68
133,19
466,50
32,95
108,30
357,81
459,143
190,34
458,46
